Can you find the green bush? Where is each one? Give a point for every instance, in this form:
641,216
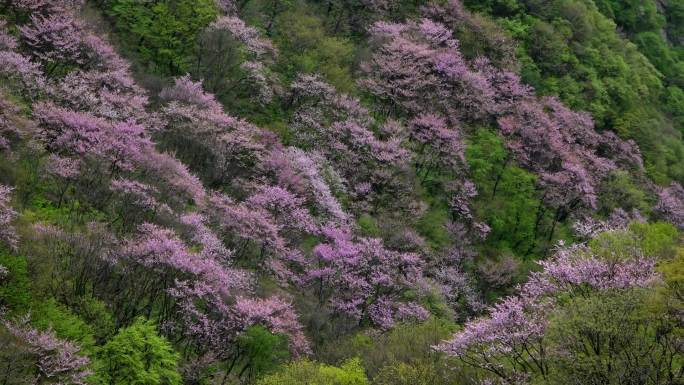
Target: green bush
15,287
138,355
311,373
163,33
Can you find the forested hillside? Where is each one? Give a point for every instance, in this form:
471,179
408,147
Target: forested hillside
341,192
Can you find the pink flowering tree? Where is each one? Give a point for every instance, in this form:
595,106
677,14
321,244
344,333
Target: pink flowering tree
8,234
233,60
64,172
285,209
304,174
362,279
56,39
258,237
120,146
417,67
54,361
176,184
340,128
21,73
563,148
218,146
438,147
417,70
276,314
46,6
10,134
7,41
135,201
203,298
110,95
671,204
511,343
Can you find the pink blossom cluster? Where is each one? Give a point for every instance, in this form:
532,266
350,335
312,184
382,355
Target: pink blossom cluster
339,128
247,35
64,168
122,145
302,172
361,276
161,249
9,132
671,204
276,314
8,234
139,195
205,285
619,219
54,37
56,360
417,69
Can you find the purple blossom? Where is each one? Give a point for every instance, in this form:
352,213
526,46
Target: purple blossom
671,204
54,37
8,234
278,315
249,36
515,327
359,272
18,67
64,168
56,360
137,194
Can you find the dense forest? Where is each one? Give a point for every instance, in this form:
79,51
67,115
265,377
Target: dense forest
341,192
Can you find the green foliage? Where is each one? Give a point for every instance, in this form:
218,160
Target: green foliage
633,15
407,343
162,32
431,225
97,315
619,190
306,48
673,275
658,240
405,374
674,102
50,314
675,20
599,336
368,225
15,288
137,355
652,45
262,350
507,198
310,373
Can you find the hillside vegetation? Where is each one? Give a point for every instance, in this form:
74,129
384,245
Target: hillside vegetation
341,192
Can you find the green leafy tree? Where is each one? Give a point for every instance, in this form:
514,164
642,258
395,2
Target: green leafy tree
405,343
307,48
406,374
162,32
311,373
656,240
507,198
138,355
259,351
614,338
